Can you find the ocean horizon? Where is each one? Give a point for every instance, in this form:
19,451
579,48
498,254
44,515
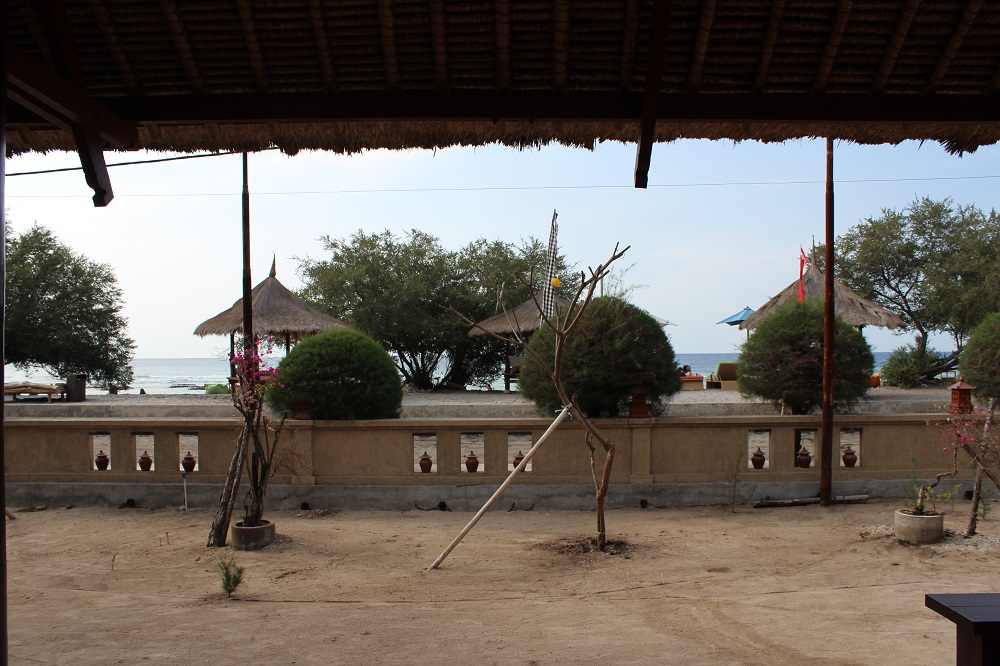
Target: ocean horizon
190,375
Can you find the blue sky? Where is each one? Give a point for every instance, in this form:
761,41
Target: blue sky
718,229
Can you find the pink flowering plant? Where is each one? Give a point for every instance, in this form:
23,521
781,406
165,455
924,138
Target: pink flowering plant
260,434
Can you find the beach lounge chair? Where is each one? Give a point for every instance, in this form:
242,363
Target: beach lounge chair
14,389
727,376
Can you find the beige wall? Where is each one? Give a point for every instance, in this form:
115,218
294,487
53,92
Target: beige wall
662,450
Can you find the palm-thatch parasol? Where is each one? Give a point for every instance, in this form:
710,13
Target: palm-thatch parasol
525,318
849,306
277,311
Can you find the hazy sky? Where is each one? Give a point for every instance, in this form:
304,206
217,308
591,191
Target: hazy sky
718,229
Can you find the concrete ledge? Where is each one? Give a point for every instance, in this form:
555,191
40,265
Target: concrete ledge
577,497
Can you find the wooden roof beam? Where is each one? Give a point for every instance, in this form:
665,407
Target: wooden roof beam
323,50
439,44
560,45
528,106
390,56
767,48
114,44
701,45
651,91
957,37
253,46
502,30
630,28
89,145
906,16
837,28
175,26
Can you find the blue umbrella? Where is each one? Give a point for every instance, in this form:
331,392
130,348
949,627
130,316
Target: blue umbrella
739,318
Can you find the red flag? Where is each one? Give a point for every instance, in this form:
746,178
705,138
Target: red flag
803,260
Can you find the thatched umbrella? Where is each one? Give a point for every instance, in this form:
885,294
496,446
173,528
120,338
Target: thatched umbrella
525,318
277,311
849,306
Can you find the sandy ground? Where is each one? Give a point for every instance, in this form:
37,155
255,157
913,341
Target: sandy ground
697,586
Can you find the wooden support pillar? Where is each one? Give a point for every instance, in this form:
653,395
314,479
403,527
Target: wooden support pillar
829,321
248,340
3,301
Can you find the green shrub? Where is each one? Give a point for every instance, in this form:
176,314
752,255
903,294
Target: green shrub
343,373
906,367
216,389
614,348
783,360
980,361
232,575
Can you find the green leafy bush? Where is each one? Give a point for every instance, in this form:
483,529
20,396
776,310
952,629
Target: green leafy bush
906,367
614,348
231,573
343,373
783,360
980,362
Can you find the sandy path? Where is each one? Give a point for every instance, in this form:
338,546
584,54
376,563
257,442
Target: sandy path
702,586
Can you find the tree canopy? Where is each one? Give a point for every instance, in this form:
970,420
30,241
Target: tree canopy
615,348
401,291
980,362
936,264
783,360
64,311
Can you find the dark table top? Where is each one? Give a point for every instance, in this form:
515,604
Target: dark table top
979,612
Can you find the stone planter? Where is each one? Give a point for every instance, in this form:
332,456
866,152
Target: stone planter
919,529
252,538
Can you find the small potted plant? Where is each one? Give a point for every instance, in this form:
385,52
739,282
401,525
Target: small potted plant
918,524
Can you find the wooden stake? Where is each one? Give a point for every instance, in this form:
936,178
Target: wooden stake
503,486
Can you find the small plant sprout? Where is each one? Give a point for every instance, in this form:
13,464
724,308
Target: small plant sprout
232,575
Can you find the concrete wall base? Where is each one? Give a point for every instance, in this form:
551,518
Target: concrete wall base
457,498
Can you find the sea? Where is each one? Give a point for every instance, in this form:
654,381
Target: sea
190,375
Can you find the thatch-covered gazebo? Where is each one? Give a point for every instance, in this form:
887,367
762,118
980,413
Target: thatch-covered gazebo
849,306
525,318
277,311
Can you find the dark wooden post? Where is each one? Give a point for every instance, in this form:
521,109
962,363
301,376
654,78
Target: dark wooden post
3,314
826,462
248,341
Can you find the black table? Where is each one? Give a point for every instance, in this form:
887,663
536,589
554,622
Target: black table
977,625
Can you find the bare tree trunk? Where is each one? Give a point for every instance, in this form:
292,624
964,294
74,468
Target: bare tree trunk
602,493
220,524
978,489
974,511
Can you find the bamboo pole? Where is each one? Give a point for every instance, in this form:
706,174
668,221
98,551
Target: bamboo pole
503,486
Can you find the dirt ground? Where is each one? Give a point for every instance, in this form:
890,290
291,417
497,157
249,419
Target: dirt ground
696,586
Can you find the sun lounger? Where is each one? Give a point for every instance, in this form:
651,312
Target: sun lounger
727,376
14,389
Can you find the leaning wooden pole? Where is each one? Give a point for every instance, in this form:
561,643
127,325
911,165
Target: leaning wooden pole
829,321
503,486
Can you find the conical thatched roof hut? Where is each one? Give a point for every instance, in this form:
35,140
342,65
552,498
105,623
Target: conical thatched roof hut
849,306
526,317
277,311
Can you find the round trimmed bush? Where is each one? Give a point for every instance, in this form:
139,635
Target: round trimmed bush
783,359
343,373
980,362
906,368
615,348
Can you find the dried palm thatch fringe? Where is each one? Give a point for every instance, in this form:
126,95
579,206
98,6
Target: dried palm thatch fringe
276,311
525,318
849,306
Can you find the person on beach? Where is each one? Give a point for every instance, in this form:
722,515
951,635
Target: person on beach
686,371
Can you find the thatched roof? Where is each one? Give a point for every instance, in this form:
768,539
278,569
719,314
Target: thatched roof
276,311
849,306
350,75
525,318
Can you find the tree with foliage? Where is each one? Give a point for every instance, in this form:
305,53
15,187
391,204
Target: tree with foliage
936,264
399,290
343,373
783,360
615,348
64,311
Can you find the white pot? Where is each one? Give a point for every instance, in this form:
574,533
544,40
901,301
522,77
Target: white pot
919,529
